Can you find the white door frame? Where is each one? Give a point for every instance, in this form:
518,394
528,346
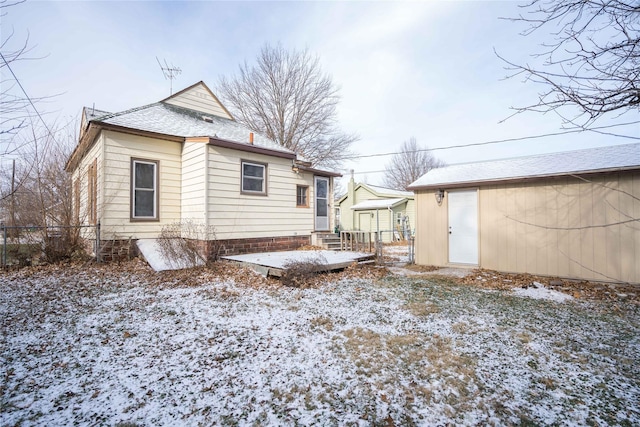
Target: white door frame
463,226
321,221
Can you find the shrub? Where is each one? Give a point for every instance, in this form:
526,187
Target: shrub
297,273
182,243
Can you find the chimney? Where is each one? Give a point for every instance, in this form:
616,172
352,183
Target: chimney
251,138
351,189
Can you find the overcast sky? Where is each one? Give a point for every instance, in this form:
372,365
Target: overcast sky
422,69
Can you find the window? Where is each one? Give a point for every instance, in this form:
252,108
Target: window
254,178
302,193
144,190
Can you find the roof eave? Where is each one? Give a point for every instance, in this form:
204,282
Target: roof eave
319,172
391,206
94,128
225,143
84,144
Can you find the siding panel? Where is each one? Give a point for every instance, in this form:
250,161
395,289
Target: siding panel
564,227
235,215
119,150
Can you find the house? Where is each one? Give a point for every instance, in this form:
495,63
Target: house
186,160
372,208
573,214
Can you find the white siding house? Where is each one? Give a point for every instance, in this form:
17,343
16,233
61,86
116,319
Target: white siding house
186,159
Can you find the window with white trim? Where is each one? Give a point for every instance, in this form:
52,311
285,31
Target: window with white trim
254,178
144,189
302,196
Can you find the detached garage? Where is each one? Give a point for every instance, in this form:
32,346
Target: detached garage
573,214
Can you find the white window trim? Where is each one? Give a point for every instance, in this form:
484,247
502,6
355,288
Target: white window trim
262,192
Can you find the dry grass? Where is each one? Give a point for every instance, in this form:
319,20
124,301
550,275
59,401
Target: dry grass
222,345
421,268
610,292
421,309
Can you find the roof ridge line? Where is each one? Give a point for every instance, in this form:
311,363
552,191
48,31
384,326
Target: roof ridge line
130,110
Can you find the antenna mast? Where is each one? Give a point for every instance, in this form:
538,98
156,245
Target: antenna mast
170,73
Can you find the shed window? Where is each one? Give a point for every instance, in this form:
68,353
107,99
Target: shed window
254,178
302,196
144,194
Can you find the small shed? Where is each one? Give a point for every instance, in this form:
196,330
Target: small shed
573,214
371,208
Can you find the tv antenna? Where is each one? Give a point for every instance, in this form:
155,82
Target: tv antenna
170,73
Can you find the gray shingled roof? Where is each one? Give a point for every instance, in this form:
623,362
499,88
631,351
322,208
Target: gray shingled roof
92,113
556,164
171,120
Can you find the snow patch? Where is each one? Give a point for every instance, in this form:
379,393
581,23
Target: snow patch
280,259
538,291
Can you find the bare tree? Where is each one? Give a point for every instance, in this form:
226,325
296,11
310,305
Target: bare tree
286,97
14,103
591,60
16,107
44,194
409,164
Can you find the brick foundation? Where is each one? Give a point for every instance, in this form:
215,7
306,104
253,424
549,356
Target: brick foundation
117,250
120,250
256,245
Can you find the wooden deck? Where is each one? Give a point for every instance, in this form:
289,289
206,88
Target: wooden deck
274,263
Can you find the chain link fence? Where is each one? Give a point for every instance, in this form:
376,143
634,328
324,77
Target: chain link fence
24,245
390,247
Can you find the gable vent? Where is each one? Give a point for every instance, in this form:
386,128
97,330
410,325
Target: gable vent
207,119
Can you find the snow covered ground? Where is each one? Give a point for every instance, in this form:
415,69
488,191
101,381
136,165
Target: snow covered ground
122,344
282,259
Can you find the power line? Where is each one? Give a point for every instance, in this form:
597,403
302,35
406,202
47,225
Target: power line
500,141
28,97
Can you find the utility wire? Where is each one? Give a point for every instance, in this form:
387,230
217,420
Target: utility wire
500,141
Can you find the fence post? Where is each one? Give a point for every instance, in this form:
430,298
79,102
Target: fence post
378,247
97,248
412,257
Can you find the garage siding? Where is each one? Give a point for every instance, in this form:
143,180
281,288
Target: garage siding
567,227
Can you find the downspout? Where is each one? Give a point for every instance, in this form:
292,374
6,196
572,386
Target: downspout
351,196
206,188
391,223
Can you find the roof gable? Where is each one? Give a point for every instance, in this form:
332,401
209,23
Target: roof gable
593,160
198,97
376,191
387,192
